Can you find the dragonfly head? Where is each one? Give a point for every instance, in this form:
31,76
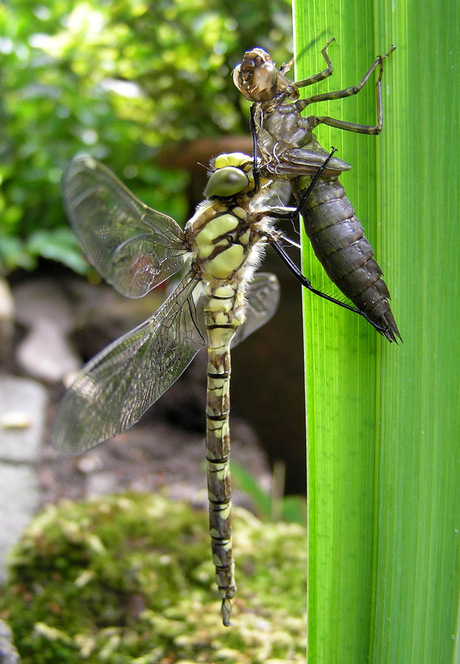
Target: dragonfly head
233,175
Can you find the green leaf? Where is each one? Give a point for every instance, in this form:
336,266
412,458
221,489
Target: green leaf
270,508
60,245
383,420
245,481
13,254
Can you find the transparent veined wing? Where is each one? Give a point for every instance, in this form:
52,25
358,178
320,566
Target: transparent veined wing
295,162
274,194
115,388
131,245
262,298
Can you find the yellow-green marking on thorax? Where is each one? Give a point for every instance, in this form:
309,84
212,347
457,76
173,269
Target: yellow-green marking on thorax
221,250
214,231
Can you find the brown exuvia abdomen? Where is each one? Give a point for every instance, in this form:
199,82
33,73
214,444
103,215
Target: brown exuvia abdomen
340,245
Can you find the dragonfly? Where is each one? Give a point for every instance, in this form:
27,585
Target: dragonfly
289,150
136,248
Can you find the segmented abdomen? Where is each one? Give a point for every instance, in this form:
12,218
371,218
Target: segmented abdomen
339,243
222,312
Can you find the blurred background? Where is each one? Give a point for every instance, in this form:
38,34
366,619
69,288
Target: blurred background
146,88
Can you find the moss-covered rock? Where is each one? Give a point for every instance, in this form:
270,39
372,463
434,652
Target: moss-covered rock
129,579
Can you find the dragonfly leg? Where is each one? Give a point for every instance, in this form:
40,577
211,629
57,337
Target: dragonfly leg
322,74
314,180
305,282
294,213
253,125
348,92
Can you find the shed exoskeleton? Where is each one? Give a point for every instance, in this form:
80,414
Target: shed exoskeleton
288,150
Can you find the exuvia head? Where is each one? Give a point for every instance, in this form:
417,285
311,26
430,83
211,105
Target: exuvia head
258,79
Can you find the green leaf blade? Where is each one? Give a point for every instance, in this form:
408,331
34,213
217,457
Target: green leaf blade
384,421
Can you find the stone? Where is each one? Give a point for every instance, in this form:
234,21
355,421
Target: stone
22,417
8,653
6,320
21,401
19,496
43,309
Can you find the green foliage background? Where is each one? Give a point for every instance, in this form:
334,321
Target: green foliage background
120,80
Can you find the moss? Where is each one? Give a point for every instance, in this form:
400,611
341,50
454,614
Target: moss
129,579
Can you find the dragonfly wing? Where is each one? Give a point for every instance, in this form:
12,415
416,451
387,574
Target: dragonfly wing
263,296
295,162
275,194
115,388
131,245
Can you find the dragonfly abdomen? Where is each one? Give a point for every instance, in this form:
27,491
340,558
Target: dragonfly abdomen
340,245
222,318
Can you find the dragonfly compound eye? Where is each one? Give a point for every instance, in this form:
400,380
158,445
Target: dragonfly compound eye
226,182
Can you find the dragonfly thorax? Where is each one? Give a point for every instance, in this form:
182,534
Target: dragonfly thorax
225,234
221,241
